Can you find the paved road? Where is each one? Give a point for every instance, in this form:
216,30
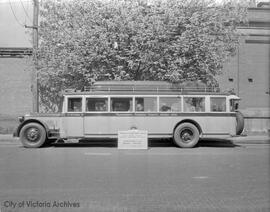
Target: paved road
99,177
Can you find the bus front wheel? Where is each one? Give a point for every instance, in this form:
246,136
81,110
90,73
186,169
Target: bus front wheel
186,135
33,135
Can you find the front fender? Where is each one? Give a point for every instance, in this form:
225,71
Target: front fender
17,131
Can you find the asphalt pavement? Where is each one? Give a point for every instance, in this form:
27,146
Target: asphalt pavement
216,176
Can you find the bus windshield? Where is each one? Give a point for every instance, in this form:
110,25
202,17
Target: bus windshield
234,104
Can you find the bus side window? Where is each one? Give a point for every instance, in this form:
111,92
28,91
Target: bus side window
96,104
74,104
121,104
147,104
218,104
194,104
139,104
169,104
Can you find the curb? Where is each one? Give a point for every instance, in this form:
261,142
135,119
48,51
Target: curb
8,137
251,139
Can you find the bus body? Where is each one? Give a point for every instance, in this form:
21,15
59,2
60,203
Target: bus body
159,108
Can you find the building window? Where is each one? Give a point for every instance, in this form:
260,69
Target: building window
250,79
230,79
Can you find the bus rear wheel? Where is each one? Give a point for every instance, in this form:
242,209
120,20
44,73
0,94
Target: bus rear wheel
186,135
33,135
240,123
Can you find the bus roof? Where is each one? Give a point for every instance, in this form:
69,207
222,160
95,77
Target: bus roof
143,88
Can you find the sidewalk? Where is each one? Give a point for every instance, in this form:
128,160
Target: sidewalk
8,138
249,139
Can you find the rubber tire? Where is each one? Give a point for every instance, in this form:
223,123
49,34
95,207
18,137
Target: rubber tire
178,140
29,144
240,123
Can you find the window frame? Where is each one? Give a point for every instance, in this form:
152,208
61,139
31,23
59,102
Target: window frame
207,103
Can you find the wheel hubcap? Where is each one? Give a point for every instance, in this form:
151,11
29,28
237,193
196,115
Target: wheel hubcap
186,135
32,134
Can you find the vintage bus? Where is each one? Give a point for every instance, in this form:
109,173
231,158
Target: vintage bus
164,110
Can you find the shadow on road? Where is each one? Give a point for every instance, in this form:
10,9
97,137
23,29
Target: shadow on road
216,143
89,143
112,143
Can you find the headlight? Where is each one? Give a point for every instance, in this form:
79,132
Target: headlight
21,119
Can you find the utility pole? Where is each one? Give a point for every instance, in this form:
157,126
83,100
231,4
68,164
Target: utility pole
34,86
34,74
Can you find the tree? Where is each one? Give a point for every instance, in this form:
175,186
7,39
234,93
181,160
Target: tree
82,41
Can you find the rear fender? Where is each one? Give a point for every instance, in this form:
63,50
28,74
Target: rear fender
189,121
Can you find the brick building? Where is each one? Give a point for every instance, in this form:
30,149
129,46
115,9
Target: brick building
15,76
248,72
15,82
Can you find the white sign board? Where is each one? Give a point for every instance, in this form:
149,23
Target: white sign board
133,139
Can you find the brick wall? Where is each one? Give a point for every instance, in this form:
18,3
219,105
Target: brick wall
254,75
248,74
15,91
